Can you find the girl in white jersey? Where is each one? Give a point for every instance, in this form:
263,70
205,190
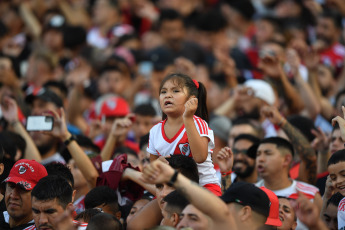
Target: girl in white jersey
183,129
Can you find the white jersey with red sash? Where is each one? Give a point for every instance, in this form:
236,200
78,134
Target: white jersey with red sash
161,145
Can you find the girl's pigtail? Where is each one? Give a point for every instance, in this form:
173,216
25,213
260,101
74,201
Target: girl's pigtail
202,105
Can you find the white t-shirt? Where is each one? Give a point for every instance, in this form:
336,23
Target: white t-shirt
291,192
160,145
341,215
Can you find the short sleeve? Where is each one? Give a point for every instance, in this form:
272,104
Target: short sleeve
204,130
151,147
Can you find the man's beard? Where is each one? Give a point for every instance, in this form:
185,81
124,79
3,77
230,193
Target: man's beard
254,114
249,170
46,147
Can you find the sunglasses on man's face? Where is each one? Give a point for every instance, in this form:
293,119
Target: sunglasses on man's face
237,151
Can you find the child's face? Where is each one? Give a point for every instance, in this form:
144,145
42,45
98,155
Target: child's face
172,98
337,175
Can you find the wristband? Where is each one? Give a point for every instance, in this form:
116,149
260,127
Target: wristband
173,179
69,140
226,173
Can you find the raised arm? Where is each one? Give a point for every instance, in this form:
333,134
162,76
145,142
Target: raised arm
307,171
82,161
198,144
119,129
158,172
10,112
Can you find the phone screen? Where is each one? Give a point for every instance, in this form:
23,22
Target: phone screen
145,69
39,123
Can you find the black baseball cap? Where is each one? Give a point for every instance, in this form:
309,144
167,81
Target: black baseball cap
45,95
247,194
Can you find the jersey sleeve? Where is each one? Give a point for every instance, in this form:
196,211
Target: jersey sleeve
151,145
204,131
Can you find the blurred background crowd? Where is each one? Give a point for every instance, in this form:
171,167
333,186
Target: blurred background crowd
102,60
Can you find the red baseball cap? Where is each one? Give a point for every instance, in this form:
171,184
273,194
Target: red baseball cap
112,106
26,173
273,217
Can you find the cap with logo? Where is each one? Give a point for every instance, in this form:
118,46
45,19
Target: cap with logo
26,173
247,194
44,94
111,106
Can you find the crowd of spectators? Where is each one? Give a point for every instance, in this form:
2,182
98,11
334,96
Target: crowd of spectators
96,70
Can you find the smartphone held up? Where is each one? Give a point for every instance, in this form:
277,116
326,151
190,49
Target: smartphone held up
39,123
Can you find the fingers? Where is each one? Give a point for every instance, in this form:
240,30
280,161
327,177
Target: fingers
224,153
335,120
343,109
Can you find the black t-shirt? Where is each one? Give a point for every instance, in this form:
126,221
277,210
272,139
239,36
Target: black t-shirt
4,225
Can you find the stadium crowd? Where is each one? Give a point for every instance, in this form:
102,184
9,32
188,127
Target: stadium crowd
172,114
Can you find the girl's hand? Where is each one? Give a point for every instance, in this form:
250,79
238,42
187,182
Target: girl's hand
190,107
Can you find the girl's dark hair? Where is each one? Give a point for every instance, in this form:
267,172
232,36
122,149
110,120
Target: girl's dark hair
200,93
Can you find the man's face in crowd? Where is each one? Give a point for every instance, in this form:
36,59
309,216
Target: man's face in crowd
286,215
336,141
45,212
137,206
269,160
162,190
337,175
43,141
193,218
240,129
142,125
326,30
101,10
325,79
248,106
265,31
173,33
18,201
243,164
330,217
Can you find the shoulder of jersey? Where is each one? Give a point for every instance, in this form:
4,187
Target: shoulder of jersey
306,188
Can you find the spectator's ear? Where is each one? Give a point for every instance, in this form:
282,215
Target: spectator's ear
73,195
287,160
2,168
175,219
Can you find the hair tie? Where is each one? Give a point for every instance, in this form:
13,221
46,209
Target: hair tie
196,83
